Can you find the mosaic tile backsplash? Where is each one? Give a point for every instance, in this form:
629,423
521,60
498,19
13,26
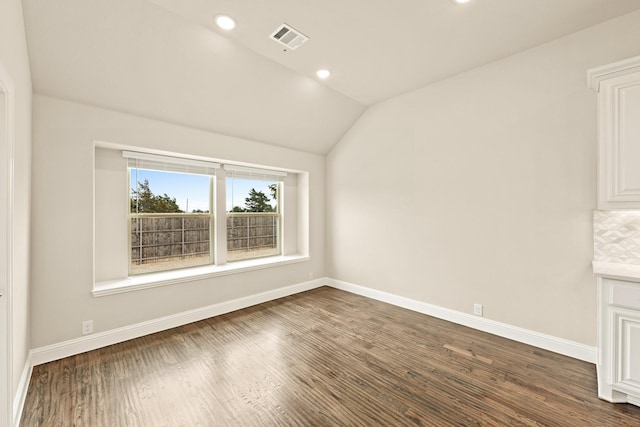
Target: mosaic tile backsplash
616,236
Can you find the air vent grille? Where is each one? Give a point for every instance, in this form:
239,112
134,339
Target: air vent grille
289,36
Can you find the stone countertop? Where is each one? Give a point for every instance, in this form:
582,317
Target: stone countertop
614,270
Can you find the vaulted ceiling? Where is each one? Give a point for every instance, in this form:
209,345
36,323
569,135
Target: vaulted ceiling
166,60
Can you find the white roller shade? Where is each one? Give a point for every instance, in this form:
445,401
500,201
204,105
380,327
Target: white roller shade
169,164
243,172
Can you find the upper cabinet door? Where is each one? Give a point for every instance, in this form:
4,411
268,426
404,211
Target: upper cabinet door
618,87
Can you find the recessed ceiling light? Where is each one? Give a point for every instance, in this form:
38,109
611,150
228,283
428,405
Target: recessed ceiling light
461,1
323,74
225,22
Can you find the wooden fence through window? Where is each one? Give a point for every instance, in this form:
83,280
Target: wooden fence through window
164,237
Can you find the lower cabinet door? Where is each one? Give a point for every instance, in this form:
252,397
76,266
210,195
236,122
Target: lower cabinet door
627,352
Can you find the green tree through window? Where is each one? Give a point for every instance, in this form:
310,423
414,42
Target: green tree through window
257,202
144,201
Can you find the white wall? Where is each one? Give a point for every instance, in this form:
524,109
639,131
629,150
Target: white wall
13,57
480,188
64,135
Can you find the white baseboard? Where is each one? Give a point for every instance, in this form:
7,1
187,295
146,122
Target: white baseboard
21,393
102,339
537,339
57,351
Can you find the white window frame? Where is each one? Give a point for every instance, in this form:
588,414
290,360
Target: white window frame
255,174
220,267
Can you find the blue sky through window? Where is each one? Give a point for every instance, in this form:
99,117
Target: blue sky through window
186,188
194,189
238,190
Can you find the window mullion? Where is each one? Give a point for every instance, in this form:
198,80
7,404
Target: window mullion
219,198
280,204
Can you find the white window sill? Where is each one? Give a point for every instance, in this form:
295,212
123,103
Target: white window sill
164,278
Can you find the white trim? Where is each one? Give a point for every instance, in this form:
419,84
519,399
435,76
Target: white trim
620,68
102,339
72,347
173,277
7,86
537,339
21,392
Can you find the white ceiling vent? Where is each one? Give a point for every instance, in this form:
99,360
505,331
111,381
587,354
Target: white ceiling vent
290,37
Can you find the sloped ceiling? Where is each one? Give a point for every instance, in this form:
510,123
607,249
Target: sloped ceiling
132,56
164,59
377,49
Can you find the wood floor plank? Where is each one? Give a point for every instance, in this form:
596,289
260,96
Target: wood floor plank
320,358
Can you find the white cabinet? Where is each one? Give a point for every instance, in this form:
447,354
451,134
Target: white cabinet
618,87
619,340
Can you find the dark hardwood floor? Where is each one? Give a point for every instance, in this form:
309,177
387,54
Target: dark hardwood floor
320,358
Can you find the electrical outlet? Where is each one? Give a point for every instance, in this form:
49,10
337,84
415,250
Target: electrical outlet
477,309
87,327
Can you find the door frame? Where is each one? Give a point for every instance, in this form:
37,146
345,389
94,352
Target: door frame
7,143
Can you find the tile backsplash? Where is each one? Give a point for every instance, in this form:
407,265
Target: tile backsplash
616,236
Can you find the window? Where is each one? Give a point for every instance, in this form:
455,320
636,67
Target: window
253,206
139,237
171,212
171,220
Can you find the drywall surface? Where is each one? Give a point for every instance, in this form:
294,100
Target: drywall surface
135,57
481,188
63,203
13,57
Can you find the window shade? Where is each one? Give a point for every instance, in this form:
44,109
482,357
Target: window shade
169,164
253,173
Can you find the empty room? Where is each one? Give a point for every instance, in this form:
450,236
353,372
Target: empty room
306,213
